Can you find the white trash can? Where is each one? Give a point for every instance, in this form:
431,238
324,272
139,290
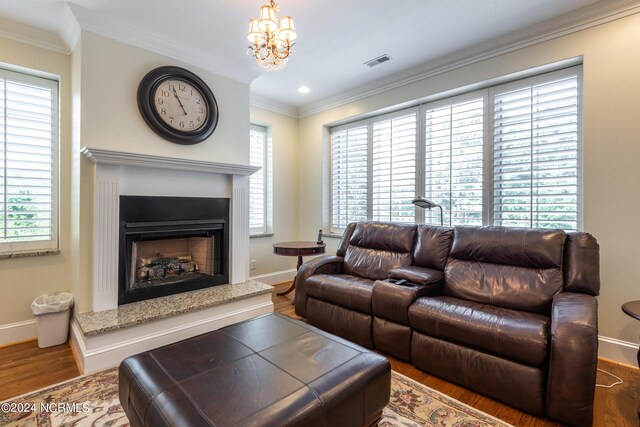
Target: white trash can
52,315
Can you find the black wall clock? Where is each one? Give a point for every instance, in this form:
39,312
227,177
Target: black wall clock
177,105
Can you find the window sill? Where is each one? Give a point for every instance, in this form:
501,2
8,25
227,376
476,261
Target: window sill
332,235
255,236
29,253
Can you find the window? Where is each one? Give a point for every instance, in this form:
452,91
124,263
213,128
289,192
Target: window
454,134
260,182
373,170
394,168
349,169
28,163
535,153
507,155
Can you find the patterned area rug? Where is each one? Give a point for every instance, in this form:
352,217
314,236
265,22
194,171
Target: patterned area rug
92,400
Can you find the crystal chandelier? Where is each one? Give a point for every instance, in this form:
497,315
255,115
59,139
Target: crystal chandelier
271,43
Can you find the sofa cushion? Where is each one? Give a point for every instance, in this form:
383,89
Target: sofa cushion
377,247
582,264
373,264
432,247
519,269
344,240
347,291
384,236
516,288
516,335
523,247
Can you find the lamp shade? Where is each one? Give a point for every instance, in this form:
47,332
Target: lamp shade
424,203
287,29
267,19
254,31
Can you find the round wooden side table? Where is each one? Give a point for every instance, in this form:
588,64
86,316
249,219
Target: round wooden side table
298,249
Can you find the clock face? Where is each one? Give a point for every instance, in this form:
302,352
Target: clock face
180,105
177,105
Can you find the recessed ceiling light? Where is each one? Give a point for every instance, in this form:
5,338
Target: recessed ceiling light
304,89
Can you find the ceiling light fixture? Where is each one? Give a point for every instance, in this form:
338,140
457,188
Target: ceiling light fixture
304,89
271,43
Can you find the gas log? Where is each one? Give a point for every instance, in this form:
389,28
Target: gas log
159,266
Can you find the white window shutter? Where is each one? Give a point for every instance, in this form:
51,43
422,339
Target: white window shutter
257,181
28,162
454,161
535,161
349,169
394,168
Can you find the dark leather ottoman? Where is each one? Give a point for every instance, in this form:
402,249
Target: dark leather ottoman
270,370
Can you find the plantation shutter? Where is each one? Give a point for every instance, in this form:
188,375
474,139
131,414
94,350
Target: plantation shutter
454,160
257,181
535,145
28,162
349,170
394,168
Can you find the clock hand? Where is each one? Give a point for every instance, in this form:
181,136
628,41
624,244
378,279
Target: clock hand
181,106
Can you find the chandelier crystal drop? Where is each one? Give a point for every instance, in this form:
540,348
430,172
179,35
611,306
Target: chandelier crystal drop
271,43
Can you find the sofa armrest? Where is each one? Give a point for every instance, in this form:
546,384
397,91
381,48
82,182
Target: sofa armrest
573,358
418,275
320,265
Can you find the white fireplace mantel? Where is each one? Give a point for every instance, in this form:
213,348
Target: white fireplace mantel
107,193
100,156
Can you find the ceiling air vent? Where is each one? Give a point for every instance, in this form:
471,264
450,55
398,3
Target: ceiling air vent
377,61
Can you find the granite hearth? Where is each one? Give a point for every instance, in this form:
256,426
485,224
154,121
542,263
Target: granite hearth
106,337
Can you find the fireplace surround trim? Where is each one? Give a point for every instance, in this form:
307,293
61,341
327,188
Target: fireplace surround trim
107,191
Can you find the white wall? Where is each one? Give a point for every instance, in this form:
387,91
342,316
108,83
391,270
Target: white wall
284,135
611,148
111,73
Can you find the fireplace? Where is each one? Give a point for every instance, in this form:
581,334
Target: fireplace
170,245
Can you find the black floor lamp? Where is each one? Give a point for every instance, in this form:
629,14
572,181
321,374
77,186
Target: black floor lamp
428,204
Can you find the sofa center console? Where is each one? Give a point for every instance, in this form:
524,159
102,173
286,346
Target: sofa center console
391,300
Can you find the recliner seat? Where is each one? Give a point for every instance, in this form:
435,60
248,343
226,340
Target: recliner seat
341,303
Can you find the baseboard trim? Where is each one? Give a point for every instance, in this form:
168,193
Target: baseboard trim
13,333
77,345
617,350
275,277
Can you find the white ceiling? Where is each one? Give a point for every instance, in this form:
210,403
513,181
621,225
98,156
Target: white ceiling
335,36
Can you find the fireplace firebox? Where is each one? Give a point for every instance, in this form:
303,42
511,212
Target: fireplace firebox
170,245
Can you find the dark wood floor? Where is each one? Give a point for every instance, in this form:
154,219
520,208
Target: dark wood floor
25,367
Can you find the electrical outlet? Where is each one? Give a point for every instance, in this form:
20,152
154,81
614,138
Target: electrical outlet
253,264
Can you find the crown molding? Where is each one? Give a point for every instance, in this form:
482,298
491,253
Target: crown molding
134,36
258,101
25,34
69,30
586,17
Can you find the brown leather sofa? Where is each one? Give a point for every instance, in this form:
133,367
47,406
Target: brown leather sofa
507,312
